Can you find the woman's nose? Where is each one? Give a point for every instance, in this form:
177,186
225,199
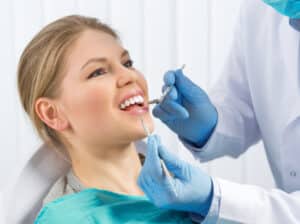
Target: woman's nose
126,76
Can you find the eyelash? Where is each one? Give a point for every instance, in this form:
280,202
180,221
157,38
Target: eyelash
127,64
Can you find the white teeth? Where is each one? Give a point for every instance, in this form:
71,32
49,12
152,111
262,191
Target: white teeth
136,99
133,100
141,99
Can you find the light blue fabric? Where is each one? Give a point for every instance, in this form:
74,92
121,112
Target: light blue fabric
290,8
94,206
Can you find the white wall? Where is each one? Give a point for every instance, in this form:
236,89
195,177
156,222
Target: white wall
160,35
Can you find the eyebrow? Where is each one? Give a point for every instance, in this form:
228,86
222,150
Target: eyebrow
93,60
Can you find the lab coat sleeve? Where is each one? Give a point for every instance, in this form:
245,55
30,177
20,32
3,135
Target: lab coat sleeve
238,203
212,216
237,128
252,204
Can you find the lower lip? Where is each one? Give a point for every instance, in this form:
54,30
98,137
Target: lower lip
137,110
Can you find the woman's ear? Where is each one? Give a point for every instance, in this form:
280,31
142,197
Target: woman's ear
48,112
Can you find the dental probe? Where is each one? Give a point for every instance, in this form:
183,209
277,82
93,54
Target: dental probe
162,163
165,93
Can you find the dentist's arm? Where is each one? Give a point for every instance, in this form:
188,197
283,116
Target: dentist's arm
218,124
195,192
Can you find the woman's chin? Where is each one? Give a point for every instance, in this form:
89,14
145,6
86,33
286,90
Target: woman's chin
140,135
142,131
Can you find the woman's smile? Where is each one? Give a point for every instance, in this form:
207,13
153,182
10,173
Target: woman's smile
134,103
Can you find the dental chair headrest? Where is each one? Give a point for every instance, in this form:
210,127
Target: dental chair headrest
34,182
24,200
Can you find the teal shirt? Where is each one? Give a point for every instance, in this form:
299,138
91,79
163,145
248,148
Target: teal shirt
94,206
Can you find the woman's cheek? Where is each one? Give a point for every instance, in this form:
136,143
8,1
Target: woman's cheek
95,104
85,102
143,83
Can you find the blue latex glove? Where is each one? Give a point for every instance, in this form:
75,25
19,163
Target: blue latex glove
187,109
190,189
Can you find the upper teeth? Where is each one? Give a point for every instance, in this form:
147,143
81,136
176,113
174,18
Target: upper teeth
133,100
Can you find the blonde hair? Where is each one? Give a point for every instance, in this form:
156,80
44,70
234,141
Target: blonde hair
41,65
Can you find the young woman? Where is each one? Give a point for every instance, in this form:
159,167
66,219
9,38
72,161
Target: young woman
79,87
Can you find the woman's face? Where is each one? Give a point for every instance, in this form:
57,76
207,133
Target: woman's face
103,96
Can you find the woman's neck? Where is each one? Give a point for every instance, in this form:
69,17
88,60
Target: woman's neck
117,170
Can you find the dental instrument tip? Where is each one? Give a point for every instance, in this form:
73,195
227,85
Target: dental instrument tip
165,92
147,132
155,101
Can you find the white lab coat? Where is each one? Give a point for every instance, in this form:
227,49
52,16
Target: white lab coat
258,98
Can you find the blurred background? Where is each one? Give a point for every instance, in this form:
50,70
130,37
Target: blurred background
160,35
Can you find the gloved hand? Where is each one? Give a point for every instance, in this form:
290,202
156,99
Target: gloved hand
190,189
187,109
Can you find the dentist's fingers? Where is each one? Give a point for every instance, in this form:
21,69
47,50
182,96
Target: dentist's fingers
189,89
161,114
172,94
170,110
151,168
169,78
174,109
174,164
146,184
152,162
152,188
151,178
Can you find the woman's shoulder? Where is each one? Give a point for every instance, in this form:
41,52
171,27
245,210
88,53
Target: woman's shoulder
60,188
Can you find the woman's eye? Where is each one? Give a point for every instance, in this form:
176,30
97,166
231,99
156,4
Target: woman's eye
128,64
96,73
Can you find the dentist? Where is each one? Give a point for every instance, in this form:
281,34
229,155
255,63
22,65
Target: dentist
257,98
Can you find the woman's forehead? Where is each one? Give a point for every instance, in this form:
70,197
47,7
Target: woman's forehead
93,44
94,41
